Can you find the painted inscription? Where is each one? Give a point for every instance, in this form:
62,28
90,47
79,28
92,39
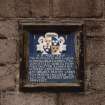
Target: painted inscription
52,57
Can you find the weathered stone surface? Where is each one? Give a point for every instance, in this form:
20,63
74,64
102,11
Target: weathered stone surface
95,28
7,8
95,50
87,78
94,77
77,99
7,77
32,8
29,99
39,8
98,77
8,51
23,8
103,102
77,8
8,28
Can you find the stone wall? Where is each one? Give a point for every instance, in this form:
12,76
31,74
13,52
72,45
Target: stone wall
90,12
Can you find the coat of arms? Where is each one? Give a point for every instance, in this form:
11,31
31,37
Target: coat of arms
51,44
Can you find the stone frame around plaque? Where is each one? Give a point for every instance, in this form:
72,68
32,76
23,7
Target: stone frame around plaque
26,27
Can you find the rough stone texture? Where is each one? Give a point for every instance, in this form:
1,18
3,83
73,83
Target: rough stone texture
77,8
104,8
7,8
98,77
23,8
8,51
103,102
61,8
95,50
88,77
7,77
94,77
29,99
95,28
8,29
40,8
80,99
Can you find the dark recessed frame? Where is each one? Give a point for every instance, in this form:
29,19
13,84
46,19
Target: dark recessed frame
27,84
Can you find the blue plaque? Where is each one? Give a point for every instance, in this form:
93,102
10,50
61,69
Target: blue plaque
52,57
